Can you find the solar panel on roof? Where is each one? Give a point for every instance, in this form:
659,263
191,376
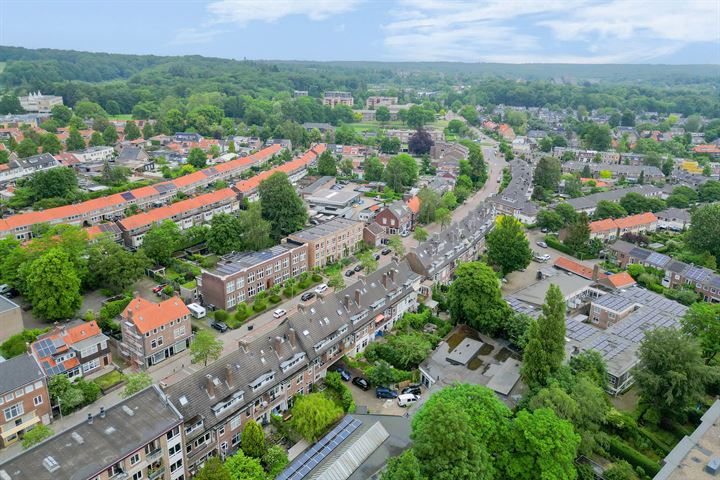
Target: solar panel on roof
127,196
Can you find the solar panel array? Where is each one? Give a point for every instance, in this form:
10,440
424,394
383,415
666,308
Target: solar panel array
127,195
306,462
45,347
164,187
609,347
697,274
579,331
658,259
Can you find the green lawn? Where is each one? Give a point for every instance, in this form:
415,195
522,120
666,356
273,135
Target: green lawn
124,116
2,66
110,379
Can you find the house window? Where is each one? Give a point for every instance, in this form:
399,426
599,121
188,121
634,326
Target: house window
160,340
236,439
174,449
38,400
91,365
251,277
137,475
179,332
13,411
135,458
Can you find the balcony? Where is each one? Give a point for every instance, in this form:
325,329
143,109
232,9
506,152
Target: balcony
154,455
155,472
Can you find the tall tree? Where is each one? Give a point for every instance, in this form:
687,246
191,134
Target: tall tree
373,169
242,467
53,286
205,347
704,232
508,247
10,103
197,158
225,234
429,202
161,241
96,140
578,232
114,267
547,173
702,321
443,217
442,425
545,350
132,132
400,172
110,135
27,148
61,114
148,130
281,206
403,467
382,114
327,164
253,439
540,445
671,374
136,382
213,469
396,244
51,144
475,299
420,142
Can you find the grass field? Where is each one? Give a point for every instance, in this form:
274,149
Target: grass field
376,126
2,66
124,116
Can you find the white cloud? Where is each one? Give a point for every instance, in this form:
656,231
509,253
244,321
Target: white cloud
246,11
189,36
533,31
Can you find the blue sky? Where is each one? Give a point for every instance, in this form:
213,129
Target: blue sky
514,31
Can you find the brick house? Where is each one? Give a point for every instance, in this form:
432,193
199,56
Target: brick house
24,398
74,349
395,218
154,332
330,241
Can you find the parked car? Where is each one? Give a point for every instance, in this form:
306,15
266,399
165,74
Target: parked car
159,288
405,234
376,256
542,244
386,251
361,383
321,288
279,313
4,289
219,326
350,273
344,374
307,296
407,399
544,230
414,389
358,267
382,392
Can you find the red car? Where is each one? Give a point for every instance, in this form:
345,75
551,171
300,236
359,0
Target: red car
159,288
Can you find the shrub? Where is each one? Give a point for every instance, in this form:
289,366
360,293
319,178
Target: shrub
623,451
221,316
275,298
316,277
259,305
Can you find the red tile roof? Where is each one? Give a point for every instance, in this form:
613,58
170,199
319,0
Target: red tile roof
414,204
146,315
620,280
619,223
63,337
710,148
598,183
251,184
605,225
576,268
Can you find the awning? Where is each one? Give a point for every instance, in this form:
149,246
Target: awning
379,318
22,426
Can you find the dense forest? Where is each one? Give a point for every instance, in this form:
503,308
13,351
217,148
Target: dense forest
121,83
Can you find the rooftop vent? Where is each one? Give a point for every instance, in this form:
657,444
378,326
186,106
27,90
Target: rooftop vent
713,466
50,464
4,475
109,430
78,438
183,400
128,410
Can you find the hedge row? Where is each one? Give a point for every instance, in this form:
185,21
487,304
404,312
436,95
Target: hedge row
620,449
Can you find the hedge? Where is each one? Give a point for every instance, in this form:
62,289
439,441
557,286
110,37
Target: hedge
558,245
620,449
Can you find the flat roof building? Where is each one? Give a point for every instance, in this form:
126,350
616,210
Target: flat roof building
330,241
10,318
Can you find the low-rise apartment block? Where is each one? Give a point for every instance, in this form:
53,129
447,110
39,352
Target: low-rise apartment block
611,229
376,101
588,203
264,374
238,277
138,438
94,154
677,274
24,398
338,98
330,241
23,167
74,349
396,218
515,200
154,332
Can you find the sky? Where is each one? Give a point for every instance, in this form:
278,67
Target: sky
504,31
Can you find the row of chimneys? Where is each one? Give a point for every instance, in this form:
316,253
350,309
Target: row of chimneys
101,415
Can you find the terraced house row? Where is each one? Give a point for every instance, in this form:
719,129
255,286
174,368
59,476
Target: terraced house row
112,207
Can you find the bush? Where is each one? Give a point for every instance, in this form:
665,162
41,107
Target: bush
221,316
316,277
259,305
623,451
553,242
275,299
16,345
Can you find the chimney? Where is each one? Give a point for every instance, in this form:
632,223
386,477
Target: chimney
384,279
243,344
346,301
357,296
228,374
136,294
391,274
596,273
102,412
90,419
291,337
276,344
301,307
210,385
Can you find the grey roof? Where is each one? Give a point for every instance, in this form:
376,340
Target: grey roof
6,304
399,209
19,371
675,214
446,246
516,193
36,161
590,201
325,229
129,153
617,169
317,184
333,197
86,450
237,262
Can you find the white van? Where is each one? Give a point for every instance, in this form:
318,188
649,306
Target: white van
197,311
406,399
4,288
